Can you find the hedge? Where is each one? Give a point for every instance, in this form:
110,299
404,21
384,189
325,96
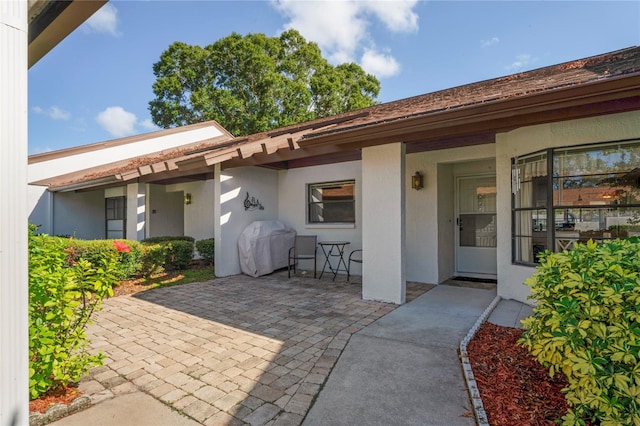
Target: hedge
206,248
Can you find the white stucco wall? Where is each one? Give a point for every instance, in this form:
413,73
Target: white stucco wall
232,186
430,213
293,205
39,208
530,139
80,215
166,212
198,216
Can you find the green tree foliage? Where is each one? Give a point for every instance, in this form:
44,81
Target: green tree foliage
255,83
587,325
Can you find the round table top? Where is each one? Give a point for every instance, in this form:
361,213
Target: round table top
333,243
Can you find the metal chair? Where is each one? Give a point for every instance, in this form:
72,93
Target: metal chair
356,259
305,248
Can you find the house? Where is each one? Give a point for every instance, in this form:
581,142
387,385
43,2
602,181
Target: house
509,167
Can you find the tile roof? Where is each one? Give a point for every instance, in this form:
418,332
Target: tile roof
583,72
613,64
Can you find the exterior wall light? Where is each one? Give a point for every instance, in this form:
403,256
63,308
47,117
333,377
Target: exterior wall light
417,181
187,198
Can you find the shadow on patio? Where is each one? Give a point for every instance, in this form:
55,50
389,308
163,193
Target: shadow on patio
233,350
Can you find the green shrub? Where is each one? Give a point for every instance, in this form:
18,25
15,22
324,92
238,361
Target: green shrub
206,249
62,297
129,258
153,259
165,239
587,325
178,253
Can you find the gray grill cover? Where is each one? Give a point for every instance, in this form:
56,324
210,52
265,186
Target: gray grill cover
264,246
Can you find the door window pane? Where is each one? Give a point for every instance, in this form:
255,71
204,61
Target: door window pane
478,230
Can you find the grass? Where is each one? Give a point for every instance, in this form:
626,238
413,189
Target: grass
165,279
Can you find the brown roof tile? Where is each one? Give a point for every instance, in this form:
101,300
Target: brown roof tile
547,79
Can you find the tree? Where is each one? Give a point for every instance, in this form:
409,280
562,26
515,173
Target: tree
255,83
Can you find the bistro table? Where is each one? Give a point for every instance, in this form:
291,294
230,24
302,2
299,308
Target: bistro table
333,249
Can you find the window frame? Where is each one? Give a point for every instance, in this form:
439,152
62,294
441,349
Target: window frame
310,203
120,210
551,207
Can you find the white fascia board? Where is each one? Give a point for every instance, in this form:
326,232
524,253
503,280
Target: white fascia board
99,157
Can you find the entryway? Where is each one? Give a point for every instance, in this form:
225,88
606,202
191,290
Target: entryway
476,226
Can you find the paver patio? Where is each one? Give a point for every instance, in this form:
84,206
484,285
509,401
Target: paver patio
234,350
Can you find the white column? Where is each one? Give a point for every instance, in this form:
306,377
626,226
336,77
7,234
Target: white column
383,223
226,252
136,211
14,326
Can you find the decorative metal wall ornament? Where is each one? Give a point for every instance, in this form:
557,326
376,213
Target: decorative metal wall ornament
251,203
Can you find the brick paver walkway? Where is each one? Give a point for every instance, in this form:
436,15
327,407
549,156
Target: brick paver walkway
235,350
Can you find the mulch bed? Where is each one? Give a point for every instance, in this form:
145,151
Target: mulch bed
515,388
63,396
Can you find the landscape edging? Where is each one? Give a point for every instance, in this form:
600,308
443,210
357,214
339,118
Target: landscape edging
472,386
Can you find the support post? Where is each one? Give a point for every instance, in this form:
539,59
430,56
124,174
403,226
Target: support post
383,220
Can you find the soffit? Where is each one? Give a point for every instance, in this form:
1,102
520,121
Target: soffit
51,21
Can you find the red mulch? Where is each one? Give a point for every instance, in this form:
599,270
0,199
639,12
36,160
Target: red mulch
515,388
63,396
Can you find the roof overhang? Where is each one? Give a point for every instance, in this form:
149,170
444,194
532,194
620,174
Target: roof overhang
617,94
51,21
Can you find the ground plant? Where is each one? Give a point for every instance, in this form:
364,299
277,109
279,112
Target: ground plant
62,297
129,257
206,248
167,253
586,325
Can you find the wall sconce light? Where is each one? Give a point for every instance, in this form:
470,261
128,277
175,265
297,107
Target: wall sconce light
187,198
417,181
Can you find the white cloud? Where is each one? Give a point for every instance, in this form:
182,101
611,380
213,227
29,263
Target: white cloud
396,15
341,28
379,64
54,112
105,20
521,62
492,41
148,125
117,121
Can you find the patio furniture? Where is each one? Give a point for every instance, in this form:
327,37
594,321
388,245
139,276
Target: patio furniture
356,257
565,240
305,248
333,249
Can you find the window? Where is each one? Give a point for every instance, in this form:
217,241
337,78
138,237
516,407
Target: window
116,214
331,202
562,196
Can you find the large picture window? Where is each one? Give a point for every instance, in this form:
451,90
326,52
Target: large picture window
565,195
331,202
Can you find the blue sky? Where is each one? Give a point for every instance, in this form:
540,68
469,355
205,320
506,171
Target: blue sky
97,83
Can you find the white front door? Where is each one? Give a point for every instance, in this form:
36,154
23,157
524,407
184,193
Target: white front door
476,226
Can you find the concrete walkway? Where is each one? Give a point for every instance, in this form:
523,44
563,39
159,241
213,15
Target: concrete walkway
404,369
